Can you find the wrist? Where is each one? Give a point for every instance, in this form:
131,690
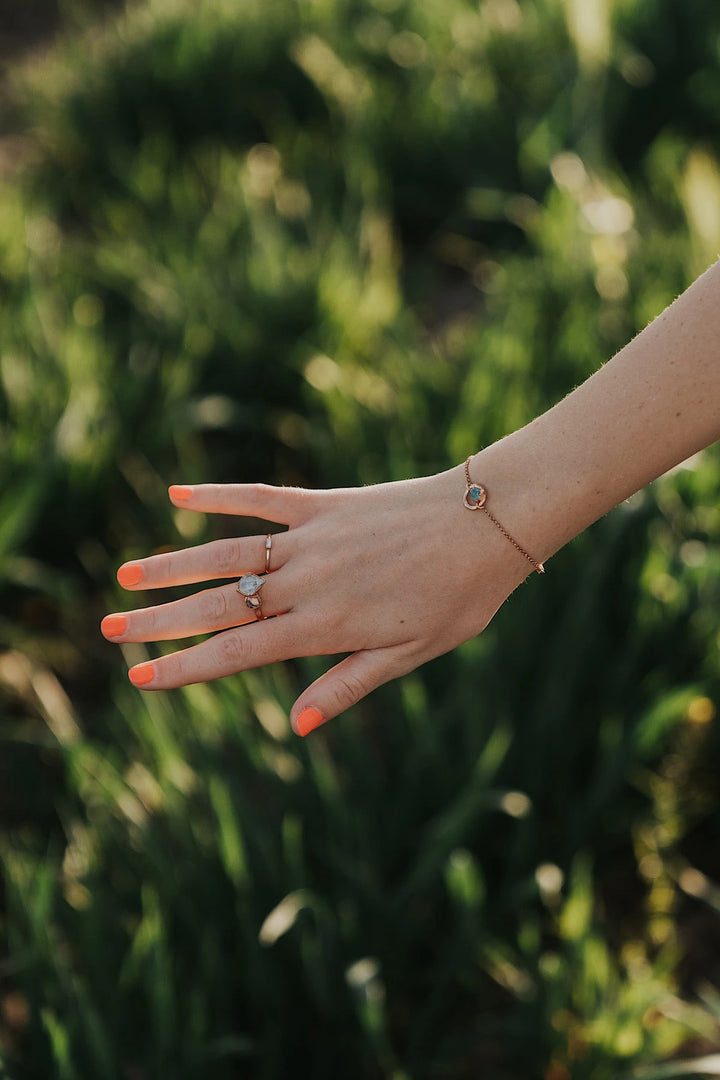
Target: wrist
491,563
531,495
476,499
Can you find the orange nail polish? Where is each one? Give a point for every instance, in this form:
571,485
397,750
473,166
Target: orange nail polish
143,673
113,625
308,720
130,574
179,492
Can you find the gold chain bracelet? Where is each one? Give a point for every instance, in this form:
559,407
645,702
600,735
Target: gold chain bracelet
475,498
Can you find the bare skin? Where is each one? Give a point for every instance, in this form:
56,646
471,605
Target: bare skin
353,573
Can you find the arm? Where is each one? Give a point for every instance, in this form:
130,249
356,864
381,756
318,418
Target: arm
399,573
649,408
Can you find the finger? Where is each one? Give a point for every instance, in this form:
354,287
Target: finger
202,613
287,505
206,562
239,649
346,684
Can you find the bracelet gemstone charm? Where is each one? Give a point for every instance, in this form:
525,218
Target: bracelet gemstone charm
475,498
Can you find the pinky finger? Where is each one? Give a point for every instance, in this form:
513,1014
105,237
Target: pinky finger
288,506
346,684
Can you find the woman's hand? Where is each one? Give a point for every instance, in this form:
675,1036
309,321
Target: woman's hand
397,574
394,575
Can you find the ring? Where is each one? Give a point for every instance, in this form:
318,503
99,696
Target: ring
249,586
268,546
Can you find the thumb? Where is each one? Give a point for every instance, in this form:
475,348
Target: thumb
346,684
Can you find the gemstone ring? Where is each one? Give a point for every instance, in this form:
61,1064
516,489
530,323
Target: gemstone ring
249,586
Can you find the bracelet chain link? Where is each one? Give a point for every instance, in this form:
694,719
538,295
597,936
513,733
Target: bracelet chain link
475,499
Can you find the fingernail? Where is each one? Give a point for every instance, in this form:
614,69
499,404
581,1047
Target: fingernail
308,720
113,625
177,491
143,673
130,574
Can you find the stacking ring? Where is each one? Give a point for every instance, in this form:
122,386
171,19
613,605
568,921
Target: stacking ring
249,586
268,546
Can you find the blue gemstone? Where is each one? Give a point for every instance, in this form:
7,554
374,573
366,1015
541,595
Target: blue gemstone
475,493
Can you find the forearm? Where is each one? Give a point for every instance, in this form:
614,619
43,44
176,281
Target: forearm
649,408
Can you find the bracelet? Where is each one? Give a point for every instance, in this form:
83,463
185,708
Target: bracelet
475,498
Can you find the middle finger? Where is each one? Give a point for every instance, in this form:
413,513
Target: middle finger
201,613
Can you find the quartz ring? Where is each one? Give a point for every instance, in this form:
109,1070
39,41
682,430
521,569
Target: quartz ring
249,586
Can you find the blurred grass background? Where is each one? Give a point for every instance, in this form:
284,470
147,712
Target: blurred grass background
326,243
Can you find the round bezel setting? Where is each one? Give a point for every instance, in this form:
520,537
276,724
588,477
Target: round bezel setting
475,496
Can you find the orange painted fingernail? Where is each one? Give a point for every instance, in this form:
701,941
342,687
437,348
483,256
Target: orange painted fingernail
143,673
177,491
130,574
308,720
113,625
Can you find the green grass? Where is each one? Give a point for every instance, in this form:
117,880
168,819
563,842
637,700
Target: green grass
336,244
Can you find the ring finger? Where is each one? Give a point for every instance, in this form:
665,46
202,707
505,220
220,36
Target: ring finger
206,562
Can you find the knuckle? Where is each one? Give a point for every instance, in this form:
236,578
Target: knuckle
214,605
231,650
259,494
349,689
227,557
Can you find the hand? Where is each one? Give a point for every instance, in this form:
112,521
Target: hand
393,574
